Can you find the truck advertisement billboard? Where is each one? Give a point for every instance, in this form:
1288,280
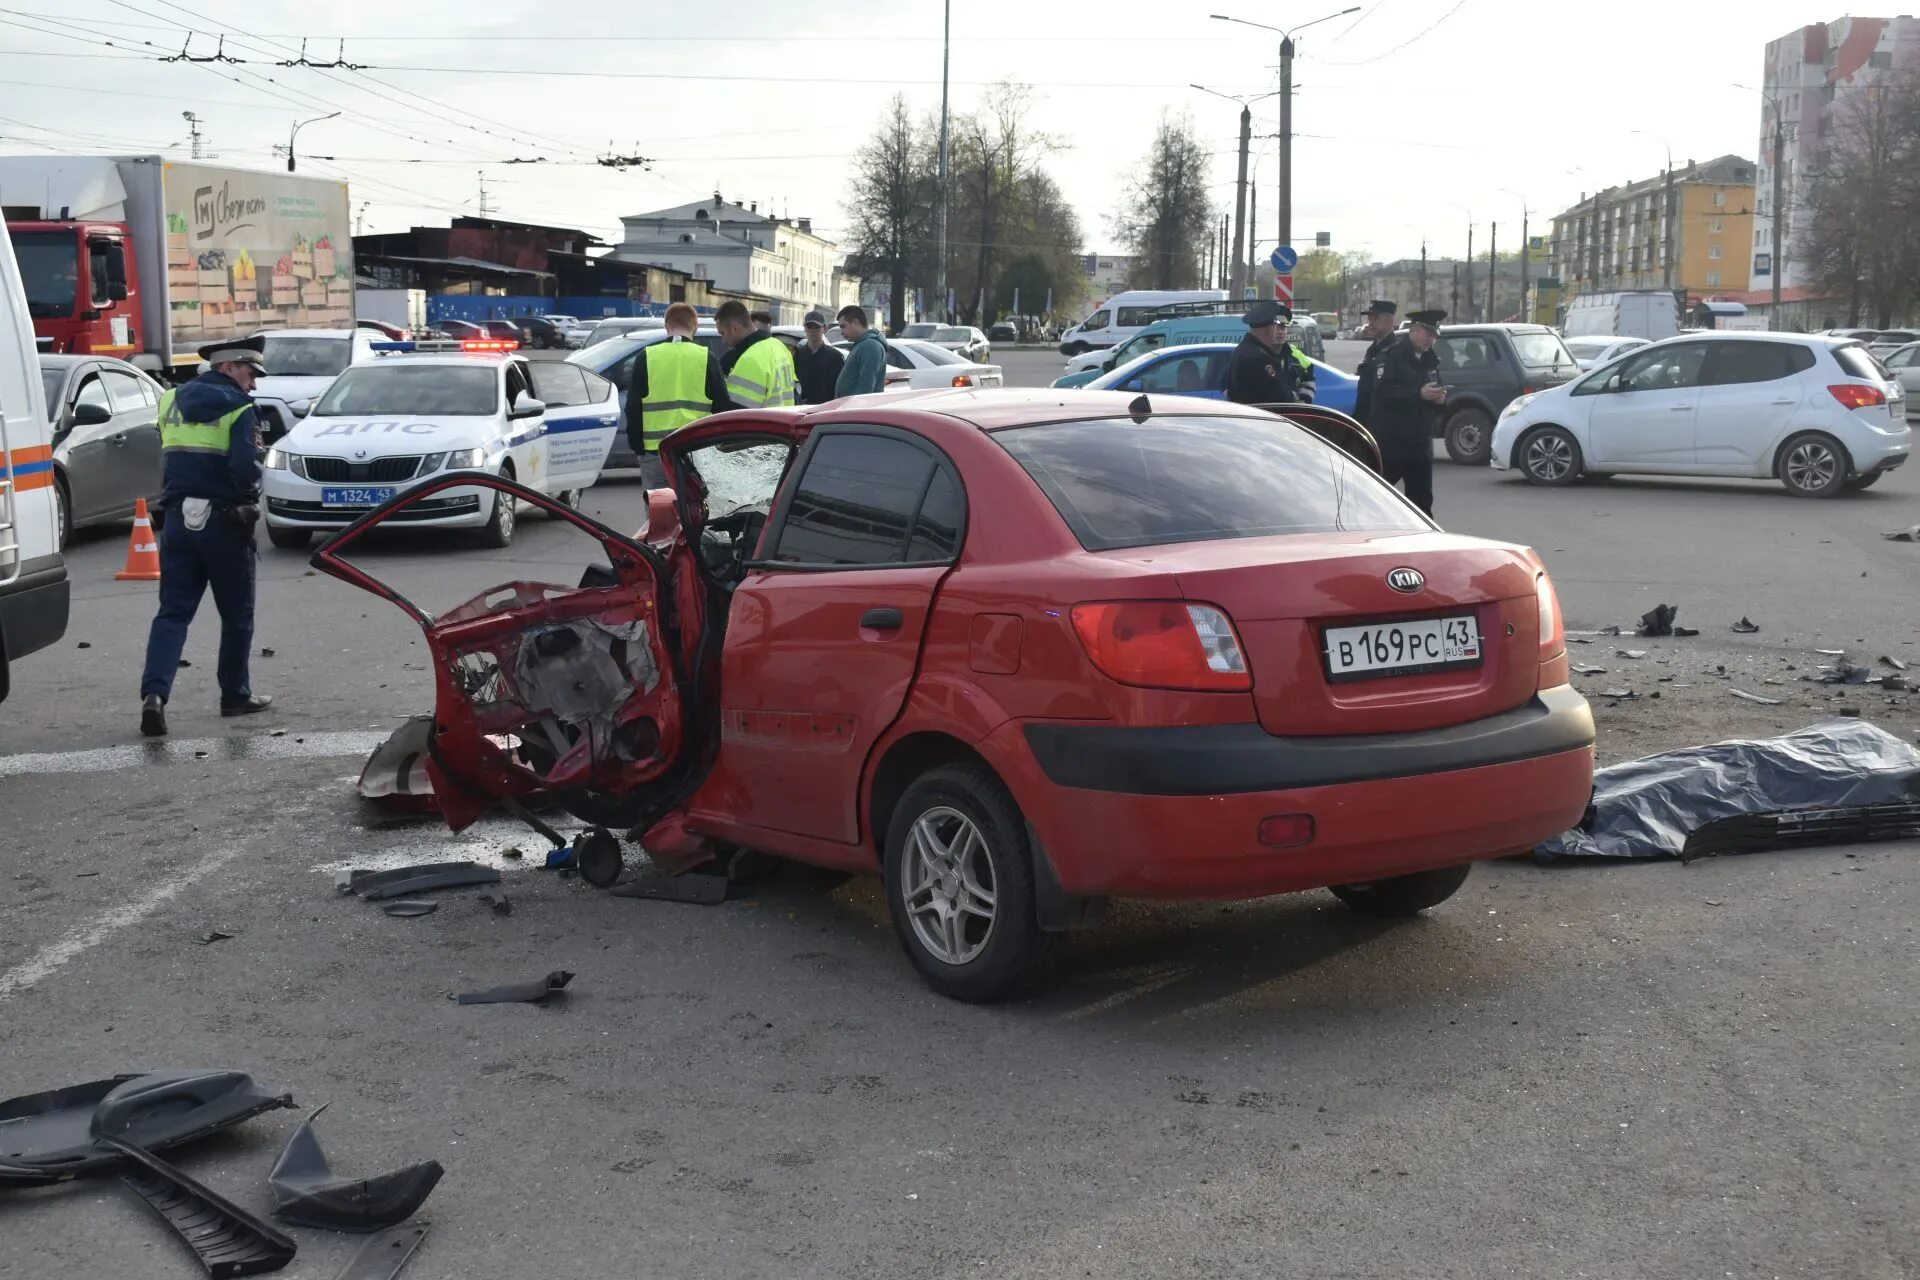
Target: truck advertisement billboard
248,251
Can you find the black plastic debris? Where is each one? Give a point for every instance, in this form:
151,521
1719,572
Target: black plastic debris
226,1239
1846,671
536,992
308,1193
382,1256
60,1133
1610,630
212,936
699,888
266,653
1683,632
1657,621
408,907
1648,808
1805,828
597,855
1746,626
375,886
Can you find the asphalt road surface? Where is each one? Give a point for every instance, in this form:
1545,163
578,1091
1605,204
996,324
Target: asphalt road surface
1648,1070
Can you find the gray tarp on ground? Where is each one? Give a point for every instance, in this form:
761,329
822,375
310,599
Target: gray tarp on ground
1646,808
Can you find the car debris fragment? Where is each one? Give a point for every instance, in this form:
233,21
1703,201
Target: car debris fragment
501,904
698,888
1657,621
536,992
308,1193
1745,626
1630,653
60,1133
1649,808
1587,669
1619,694
1903,535
411,907
382,1256
375,886
1891,661
211,936
598,857
1754,697
226,1239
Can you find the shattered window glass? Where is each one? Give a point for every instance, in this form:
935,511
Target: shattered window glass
740,477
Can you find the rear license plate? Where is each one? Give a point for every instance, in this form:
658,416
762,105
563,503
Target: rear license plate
354,496
1402,648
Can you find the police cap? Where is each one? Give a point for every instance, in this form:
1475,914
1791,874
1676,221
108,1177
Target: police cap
1382,307
1264,313
251,351
1430,319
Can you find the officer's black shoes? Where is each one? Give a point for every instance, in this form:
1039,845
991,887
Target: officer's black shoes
153,716
245,706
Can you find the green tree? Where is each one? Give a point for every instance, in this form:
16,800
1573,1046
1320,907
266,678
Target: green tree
1168,219
891,206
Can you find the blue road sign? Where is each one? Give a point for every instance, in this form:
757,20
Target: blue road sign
1284,258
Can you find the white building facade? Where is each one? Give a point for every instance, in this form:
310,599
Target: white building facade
739,249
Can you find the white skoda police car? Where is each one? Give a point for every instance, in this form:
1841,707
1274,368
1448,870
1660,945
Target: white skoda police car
385,426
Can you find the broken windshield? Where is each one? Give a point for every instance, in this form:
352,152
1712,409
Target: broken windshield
740,477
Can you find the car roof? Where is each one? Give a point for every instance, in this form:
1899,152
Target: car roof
1751,335
311,333
1453,330
998,408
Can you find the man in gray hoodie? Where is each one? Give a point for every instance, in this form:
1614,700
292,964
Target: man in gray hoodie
866,367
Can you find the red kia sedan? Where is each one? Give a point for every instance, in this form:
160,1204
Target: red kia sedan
1019,652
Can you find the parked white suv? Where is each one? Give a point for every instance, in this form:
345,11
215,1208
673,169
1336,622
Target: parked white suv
1819,415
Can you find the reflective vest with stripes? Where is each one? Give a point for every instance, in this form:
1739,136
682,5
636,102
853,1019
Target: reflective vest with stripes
177,435
676,389
763,378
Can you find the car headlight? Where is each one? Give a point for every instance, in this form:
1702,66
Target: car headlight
1517,404
276,460
457,460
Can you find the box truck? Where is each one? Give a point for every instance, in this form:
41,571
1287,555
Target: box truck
1652,314
147,258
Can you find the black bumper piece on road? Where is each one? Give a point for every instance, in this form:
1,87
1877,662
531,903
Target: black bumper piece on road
1228,759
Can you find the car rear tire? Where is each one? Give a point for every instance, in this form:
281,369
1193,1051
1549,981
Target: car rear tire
63,512
1073,349
1550,456
959,883
1864,482
1401,896
289,539
1814,465
498,532
1470,437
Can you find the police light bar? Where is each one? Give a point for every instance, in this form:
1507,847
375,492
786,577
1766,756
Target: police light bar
489,344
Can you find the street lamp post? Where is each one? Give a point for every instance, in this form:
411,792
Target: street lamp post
296,133
1242,250
1525,216
1286,35
1467,316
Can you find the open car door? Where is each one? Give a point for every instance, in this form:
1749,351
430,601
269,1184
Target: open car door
1336,428
569,692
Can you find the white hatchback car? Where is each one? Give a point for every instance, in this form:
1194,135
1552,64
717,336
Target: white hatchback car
384,427
1819,415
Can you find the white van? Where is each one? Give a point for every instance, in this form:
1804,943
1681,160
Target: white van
1652,314
33,576
1125,314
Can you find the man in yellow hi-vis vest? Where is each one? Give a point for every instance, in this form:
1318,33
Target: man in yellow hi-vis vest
210,494
758,366
674,382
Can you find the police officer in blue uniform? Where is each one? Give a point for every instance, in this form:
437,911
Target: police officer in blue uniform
1265,368
210,494
1379,332
1407,400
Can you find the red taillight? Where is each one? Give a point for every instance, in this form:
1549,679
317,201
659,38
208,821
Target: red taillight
1526,391
1855,396
1552,628
1163,644
489,344
962,380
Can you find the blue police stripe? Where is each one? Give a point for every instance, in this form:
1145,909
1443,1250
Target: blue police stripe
32,468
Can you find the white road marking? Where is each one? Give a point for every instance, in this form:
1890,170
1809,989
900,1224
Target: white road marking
170,751
52,957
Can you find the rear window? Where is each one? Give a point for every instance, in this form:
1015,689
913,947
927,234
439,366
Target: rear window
1196,479
288,355
1858,362
396,387
1542,350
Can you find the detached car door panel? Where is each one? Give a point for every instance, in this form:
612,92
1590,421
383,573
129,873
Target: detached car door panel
824,633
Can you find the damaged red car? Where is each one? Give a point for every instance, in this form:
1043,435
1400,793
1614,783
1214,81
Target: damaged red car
1020,652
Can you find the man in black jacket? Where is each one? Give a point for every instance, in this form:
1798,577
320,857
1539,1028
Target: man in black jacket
816,366
1407,399
1265,368
1379,334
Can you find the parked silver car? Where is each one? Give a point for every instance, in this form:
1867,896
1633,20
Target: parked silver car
1904,363
106,438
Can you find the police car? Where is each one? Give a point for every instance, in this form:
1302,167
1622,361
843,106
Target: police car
428,409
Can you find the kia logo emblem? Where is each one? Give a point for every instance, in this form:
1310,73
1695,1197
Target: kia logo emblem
1407,580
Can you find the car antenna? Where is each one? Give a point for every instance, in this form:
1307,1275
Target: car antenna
1139,410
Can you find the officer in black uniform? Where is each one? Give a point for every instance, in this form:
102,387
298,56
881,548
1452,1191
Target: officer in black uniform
1379,332
1406,403
1264,368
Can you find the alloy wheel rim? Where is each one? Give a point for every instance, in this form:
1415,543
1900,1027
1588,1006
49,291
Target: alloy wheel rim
507,516
1811,465
1548,457
949,888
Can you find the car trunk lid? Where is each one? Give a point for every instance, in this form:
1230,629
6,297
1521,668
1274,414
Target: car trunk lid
1285,593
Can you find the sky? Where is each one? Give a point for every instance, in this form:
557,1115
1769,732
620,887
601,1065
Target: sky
1413,118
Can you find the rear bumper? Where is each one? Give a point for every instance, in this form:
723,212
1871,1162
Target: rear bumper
1176,812
33,608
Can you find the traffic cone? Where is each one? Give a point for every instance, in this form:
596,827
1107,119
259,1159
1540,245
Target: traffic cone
143,552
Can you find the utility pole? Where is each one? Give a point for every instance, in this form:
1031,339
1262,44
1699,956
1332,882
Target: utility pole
295,133
1666,246
1470,314
1593,247
484,209
1526,307
1774,320
1241,251
1286,139
1455,308
1423,273
1493,273
946,50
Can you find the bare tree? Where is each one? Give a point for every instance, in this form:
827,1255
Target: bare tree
1169,216
996,160
892,206
1856,234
